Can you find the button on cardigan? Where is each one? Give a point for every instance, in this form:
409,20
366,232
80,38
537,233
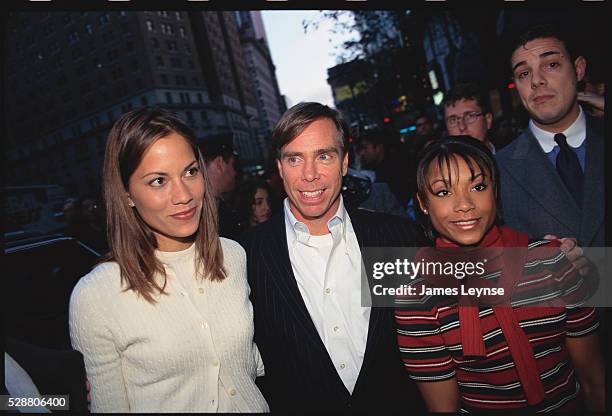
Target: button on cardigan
192,351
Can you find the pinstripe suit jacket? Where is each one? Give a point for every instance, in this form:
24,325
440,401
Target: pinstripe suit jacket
300,375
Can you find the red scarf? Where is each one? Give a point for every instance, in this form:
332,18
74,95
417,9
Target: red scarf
511,264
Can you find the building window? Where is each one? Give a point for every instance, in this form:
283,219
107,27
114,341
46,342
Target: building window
150,26
166,29
144,101
112,54
48,29
108,36
169,97
88,29
176,62
116,73
155,43
159,60
178,16
129,46
164,79
73,38
53,48
199,95
104,19
182,31
187,48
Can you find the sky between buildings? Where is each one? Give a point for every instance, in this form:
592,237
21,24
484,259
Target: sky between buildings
301,59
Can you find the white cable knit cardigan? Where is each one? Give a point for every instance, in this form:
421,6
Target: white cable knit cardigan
192,351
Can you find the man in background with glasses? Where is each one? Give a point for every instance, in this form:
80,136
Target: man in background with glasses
467,111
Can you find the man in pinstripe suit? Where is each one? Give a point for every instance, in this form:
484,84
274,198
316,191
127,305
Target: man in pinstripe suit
323,350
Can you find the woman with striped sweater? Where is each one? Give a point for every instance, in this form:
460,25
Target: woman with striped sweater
521,347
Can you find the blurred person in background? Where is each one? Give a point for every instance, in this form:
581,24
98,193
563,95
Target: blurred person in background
375,155
593,96
467,111
424,125
221,167
253,202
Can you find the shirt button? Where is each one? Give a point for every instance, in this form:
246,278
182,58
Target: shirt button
328,291
342,366
336,328
204,325
232,392
216,363
201,290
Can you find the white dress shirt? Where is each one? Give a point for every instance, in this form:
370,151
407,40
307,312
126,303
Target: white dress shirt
327,269
575,134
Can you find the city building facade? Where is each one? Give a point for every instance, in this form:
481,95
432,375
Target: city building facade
70,75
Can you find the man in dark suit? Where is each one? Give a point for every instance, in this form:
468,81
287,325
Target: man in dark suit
323,350
552,176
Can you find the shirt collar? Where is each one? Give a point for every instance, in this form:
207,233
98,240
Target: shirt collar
298,231
575,134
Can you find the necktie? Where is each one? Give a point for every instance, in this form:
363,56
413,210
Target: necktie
569,168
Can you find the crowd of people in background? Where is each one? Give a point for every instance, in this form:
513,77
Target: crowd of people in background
378,155
287,296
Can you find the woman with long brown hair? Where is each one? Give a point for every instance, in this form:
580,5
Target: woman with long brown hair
164,322
253,202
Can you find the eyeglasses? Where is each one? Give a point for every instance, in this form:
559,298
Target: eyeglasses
468,118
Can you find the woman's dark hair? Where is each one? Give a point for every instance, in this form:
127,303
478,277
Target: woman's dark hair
244,198
131,241
445,152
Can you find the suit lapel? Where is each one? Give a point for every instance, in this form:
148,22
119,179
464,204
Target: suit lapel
593,184
366,238
279,266
534,172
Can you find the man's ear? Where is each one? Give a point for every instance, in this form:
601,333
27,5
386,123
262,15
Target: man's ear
489,120
217,163
280,168
580,67
345,162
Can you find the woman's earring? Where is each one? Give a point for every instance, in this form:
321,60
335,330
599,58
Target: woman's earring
425,211
131,203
